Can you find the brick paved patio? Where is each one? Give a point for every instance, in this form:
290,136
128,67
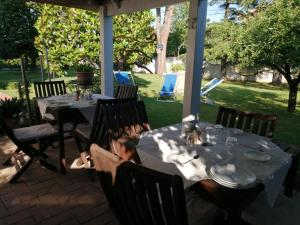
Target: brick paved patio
47,198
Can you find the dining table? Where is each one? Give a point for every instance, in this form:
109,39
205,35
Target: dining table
68,109
249,160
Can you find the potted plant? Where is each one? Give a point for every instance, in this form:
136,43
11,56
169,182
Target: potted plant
85,74
10,110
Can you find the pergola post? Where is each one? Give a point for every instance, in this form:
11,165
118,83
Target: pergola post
106,56
194,57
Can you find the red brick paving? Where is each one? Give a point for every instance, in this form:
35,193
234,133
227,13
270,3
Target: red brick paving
47,198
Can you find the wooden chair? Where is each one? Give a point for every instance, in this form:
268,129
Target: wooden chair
139,195
263,125
97,133
49,88
125,122
24,138
126,91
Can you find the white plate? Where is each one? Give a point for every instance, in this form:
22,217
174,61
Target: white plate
231,176
257,155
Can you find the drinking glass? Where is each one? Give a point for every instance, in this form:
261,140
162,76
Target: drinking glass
230,143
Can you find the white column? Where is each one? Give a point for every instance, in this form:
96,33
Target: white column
194,57
106,56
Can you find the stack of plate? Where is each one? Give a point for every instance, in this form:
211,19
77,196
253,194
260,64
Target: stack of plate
230,176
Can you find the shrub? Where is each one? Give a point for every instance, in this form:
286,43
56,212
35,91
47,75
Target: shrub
177,67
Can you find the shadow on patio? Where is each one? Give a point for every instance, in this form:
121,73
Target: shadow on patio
44,197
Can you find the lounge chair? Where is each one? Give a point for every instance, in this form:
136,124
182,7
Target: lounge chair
124,77
209,86
167,92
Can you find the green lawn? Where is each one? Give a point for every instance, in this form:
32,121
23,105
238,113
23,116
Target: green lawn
254,97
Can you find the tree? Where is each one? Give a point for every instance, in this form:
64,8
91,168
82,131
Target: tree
162,32
72,34
220,41
230,14
178,33
17,30
134,40
271,38
69,35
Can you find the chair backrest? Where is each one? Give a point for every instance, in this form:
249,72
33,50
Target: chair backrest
123,77
210,85
140,195
263,125
99,131
169,83
126,91
49,88
125,122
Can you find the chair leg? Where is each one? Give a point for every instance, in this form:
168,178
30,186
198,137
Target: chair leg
291,176
8,160
21,171
47,165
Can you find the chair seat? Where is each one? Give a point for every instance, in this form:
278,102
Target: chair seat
84,130
49,117
34,133
161,93
199,211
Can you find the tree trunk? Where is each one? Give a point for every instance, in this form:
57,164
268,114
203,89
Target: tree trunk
223,67
293,98
162,37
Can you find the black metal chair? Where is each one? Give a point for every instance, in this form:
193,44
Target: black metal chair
24,138
126,91
139,195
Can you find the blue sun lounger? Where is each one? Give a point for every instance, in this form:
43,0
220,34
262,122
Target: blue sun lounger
167,92
210,85
124,77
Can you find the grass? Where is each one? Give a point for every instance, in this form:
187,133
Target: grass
264,98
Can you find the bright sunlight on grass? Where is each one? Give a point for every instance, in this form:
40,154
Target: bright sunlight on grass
263,98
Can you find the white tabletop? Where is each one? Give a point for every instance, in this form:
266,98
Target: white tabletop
86,107
163,149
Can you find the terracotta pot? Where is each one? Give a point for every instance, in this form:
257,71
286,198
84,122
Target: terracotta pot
84,78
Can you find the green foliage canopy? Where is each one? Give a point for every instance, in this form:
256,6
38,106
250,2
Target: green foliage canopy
220,40
134,39
17,30
178,34
272,38
71,35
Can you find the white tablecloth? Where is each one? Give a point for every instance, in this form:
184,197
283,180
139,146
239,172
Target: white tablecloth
164,150
86,107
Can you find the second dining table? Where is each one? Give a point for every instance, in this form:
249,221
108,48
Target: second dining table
66,109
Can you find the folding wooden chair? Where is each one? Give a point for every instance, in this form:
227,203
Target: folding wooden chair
125,122
49,88
97,133
263,125
260,124
126,91
24,138
139,195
